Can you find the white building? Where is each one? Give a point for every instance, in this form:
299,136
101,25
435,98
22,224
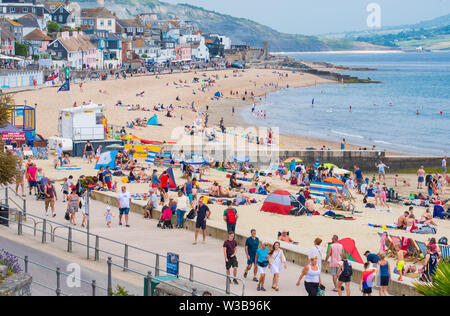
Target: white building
226,41
200,51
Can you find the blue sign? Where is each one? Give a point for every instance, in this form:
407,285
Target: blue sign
173,263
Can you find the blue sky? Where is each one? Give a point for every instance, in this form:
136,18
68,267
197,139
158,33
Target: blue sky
324,16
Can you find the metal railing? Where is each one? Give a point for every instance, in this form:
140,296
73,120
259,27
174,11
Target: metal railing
93,285
124,255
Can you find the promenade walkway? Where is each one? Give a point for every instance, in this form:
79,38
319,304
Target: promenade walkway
144,234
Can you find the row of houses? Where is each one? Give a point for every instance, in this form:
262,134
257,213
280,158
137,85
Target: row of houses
96,38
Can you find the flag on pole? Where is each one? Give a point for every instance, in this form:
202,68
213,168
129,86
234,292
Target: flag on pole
65,86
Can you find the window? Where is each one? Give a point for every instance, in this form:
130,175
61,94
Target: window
102,23
109,22
59,54
12,9
56,44
60,18
25,10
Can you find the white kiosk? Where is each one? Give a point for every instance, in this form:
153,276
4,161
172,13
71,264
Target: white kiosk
82,123
79,124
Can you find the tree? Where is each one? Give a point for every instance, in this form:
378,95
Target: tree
52,27
21,49
440,285
8,162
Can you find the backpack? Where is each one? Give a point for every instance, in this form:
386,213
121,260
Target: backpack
347,271
191,215
231,216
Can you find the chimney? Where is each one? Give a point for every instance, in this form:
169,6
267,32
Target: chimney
65,35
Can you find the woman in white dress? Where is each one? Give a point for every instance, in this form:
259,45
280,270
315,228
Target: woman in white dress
277,261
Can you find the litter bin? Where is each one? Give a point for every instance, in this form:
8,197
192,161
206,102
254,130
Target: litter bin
4,215
155,282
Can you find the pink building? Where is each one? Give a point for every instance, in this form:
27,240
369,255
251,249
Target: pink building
183,52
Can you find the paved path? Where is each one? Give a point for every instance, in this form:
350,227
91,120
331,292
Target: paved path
144,234
48,277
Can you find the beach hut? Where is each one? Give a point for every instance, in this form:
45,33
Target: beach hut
107,159
279,202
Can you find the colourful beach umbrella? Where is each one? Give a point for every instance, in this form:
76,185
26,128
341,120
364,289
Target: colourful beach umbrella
292,158
130,136
333,180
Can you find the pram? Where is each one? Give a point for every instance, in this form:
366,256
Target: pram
40,191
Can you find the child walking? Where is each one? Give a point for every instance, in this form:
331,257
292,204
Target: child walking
366,283
108,217
65,190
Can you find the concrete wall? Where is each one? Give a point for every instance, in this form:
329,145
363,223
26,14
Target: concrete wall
294,254
16,285
365,159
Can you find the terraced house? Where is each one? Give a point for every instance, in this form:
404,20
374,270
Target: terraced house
74,50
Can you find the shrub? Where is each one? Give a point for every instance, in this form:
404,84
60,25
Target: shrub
11,261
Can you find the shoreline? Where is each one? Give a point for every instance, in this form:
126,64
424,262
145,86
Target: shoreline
342,52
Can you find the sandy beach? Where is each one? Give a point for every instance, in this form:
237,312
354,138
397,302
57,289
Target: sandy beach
162,90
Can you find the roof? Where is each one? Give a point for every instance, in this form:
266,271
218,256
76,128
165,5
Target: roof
6,34
37,35
97,13
89,107
12,22
28,21
129,23
73,44
49,4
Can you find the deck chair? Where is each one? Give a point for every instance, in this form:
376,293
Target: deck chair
331,202
390,247
348,195
445,252
422,247
415,250
396,241
337,202
409,248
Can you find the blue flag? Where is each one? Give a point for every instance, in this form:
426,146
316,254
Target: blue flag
65,86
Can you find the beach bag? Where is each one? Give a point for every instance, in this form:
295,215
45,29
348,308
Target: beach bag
321,290
370,205
347,271
191,215
67,216
443,241
425,230
231,216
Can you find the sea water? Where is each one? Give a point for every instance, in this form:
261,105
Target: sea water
384,115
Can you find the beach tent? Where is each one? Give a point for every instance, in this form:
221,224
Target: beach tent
153,120
172,184
278,202
350,249
321,189
241,159
107,159
317,164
